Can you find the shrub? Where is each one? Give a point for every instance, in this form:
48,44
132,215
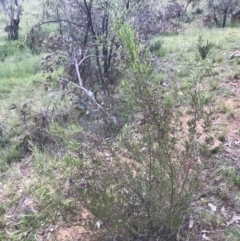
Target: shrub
152,18
203,48
85,36
156,46
142,186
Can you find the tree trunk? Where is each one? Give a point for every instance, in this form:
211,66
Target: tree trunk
14,15
185,9
224,18
216,20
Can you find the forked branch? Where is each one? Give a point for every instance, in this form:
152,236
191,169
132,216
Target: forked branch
88,93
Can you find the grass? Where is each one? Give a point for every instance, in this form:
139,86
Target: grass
226,109
18,68
222,136
24,65
233,234
223,39
45,176
233,176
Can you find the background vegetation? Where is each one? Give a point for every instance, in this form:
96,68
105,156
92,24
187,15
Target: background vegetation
119,120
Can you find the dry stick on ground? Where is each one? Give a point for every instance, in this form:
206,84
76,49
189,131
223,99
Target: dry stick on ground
235,54
89,93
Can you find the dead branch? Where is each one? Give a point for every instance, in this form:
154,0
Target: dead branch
88,93
235,54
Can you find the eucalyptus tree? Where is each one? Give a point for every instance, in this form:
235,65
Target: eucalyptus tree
192,2
12,11
3,4
222,9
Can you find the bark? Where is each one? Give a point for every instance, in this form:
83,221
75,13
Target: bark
189,1
14,15
224,18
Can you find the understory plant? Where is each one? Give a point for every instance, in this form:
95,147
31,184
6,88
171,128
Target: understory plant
141,187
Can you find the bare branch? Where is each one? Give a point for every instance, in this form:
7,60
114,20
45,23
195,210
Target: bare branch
61,20
91,97
78,73
92,55
89,93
